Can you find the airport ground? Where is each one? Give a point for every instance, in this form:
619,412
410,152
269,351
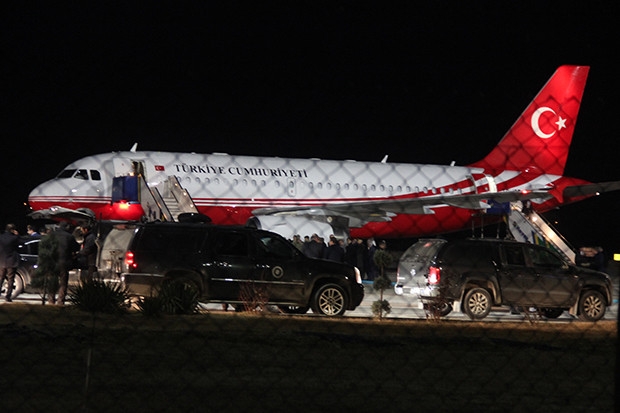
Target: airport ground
63,360
55,359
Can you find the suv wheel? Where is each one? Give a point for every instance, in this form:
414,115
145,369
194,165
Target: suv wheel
591,306
477,303
330,300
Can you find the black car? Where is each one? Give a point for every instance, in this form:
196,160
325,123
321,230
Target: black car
29,251
232,265
482,273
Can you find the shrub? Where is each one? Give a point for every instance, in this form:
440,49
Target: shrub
150,306
254,297
98,296
176,298
381,306
45,277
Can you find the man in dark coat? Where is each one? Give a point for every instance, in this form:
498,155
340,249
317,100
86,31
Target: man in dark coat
67,248
9,258
315,248
88,254
334,251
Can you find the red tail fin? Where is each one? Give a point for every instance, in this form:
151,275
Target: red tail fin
539,140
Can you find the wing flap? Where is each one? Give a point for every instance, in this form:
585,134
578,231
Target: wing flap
380,210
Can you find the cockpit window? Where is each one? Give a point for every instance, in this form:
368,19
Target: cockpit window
67,173
80,174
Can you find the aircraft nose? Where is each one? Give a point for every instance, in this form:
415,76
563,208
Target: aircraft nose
45,194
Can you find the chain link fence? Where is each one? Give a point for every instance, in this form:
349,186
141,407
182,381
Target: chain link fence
409,357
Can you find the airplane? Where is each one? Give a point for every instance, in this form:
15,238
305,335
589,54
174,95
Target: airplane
361,199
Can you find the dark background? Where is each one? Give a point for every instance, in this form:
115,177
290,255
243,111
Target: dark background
424,82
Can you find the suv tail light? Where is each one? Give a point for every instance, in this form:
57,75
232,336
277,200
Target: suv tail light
434,275
129,260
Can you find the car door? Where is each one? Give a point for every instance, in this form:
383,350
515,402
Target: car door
230,266
517,280
279,268
555,286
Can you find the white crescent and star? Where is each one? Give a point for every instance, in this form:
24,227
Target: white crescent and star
561,122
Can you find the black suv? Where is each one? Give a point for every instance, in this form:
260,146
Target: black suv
482,273
233,264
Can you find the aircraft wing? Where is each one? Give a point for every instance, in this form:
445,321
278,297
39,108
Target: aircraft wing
577,191
363,212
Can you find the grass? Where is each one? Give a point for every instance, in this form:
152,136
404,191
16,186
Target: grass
242,362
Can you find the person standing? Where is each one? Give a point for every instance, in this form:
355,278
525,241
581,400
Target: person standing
67,248
334,251
32,232
297,242
372,271
9,258
315,248
87,255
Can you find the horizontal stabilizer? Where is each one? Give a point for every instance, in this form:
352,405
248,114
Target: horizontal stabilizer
577,191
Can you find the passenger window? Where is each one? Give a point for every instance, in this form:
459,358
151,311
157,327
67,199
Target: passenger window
231,243
514,255
544,258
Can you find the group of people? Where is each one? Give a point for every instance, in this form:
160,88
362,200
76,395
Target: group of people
69,254
356,251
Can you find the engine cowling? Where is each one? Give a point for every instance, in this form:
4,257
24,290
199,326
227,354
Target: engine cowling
287,226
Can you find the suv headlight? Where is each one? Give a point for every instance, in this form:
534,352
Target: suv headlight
358,276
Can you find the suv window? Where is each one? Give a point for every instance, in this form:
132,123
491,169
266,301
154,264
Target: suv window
422,251
514,255
469,255
274,247
544,258
231,243
167,242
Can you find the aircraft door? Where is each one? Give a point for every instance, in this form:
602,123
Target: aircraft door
122,166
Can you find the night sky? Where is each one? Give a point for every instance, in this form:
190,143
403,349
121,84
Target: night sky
424,82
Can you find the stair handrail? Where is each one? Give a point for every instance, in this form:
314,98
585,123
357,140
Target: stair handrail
155,209
549,234
184,200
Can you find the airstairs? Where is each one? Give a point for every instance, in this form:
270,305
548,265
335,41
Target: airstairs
528,226
166,200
